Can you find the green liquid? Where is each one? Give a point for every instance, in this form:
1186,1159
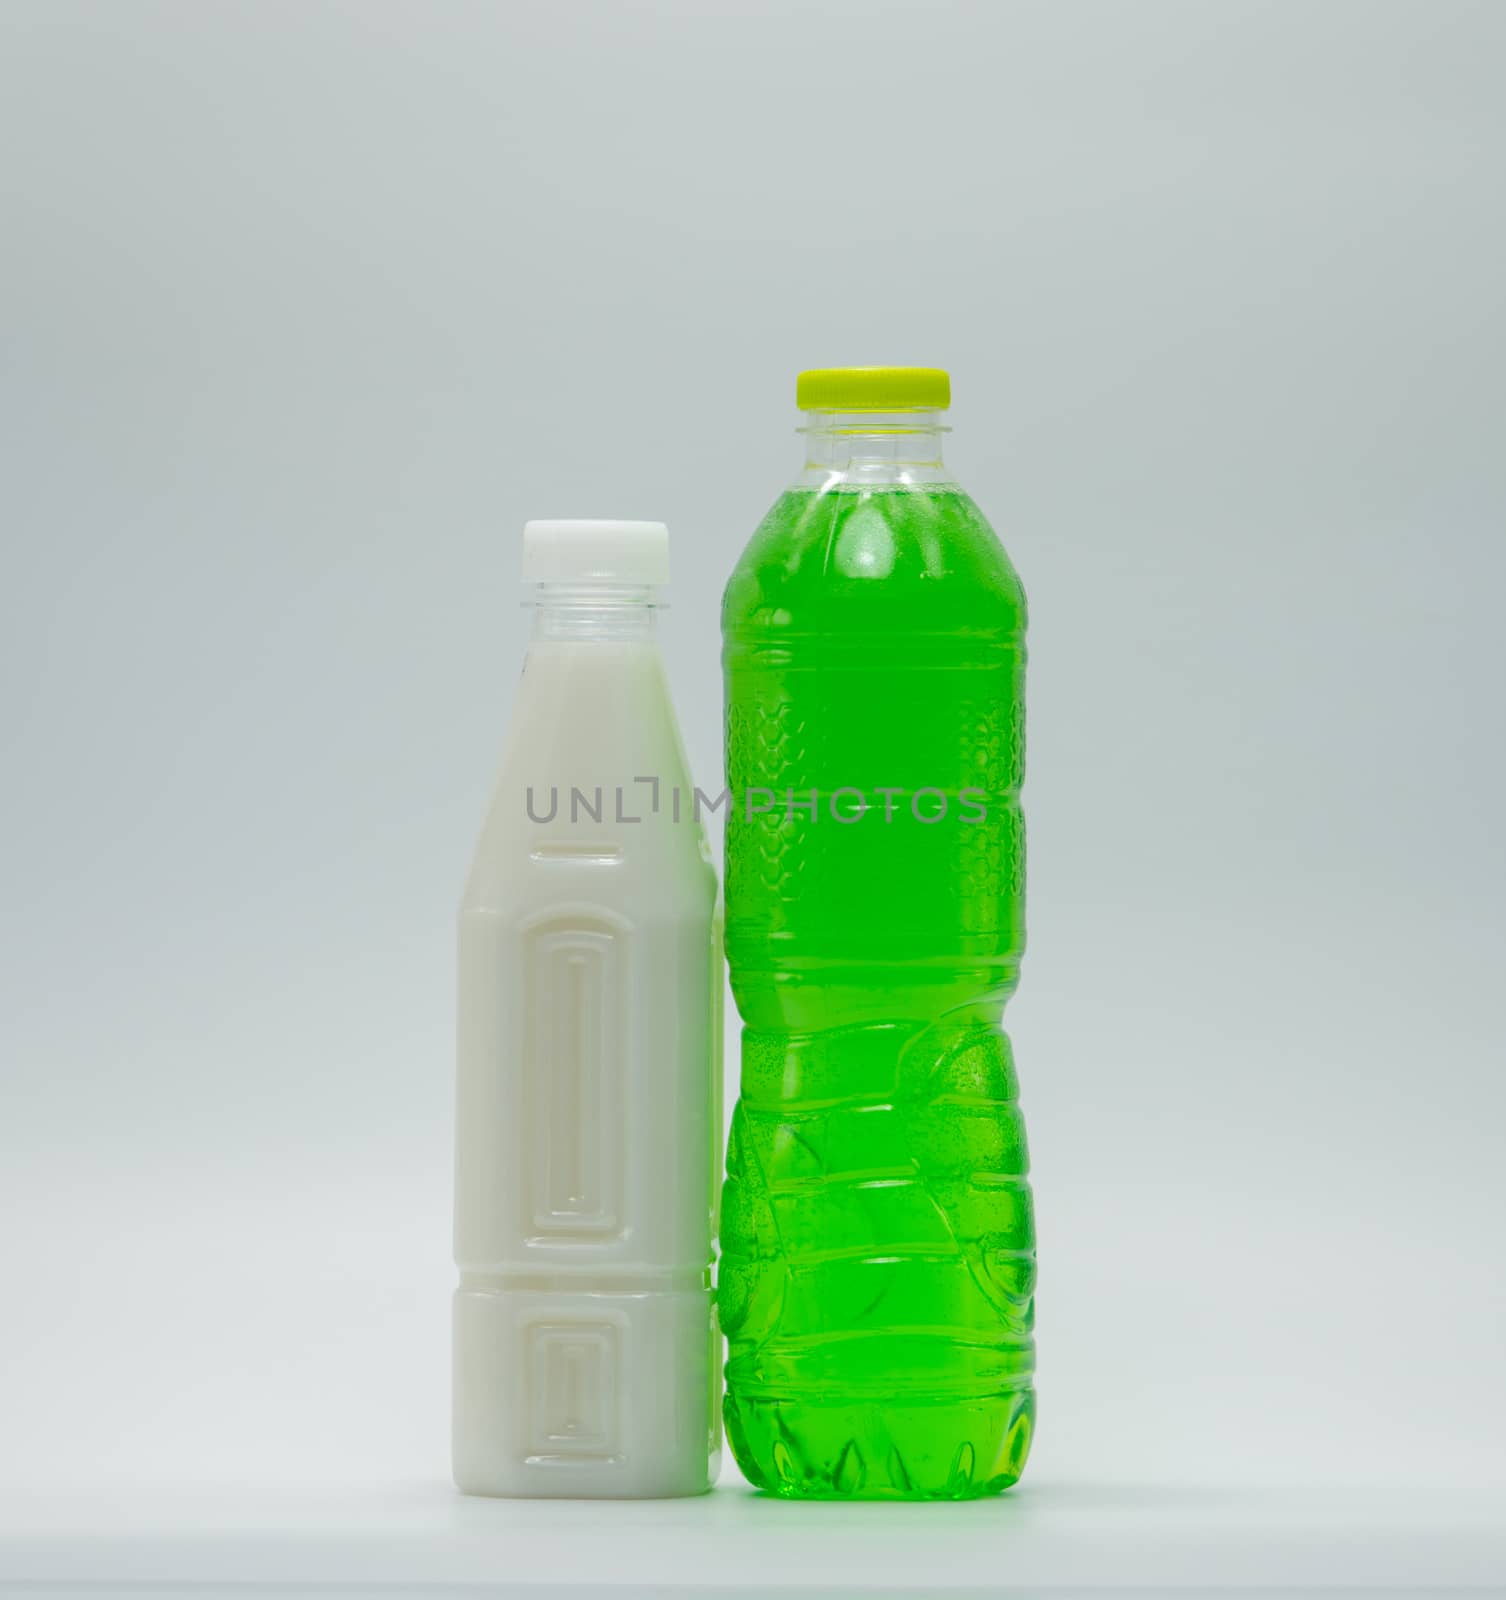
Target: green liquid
878,1243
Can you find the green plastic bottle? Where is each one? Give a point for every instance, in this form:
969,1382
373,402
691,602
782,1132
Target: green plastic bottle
878,1268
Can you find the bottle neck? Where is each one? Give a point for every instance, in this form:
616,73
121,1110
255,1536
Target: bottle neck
592,612
874,447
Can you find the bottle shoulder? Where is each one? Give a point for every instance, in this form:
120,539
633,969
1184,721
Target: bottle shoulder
911,558
593,784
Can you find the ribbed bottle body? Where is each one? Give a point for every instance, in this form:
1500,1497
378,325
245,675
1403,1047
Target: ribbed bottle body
878,1269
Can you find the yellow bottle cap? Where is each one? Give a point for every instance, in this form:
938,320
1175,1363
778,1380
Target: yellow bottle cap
873,389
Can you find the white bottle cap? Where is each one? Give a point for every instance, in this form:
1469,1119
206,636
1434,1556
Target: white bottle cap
595,552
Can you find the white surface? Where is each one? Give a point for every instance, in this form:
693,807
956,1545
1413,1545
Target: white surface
622,552
1039,1537
588,1121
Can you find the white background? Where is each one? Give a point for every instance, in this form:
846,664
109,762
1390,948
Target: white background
305,308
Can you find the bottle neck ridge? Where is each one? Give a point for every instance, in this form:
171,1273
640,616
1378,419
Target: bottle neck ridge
874,447
598,611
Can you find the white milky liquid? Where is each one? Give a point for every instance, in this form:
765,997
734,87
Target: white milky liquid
586,1360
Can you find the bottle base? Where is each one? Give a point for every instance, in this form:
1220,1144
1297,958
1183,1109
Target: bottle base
584,1394
808,1449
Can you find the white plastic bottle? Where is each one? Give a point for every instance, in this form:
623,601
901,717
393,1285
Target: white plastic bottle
586,1358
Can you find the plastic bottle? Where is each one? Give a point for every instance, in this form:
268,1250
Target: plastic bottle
588,1108
878,1269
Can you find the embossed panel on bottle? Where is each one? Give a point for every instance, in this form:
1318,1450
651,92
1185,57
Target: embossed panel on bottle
572,1386
574,997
